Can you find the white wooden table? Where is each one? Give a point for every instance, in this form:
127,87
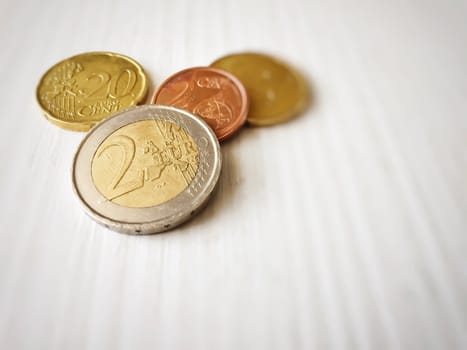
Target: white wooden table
343,229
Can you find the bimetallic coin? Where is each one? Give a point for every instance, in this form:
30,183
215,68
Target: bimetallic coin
146,169
80,91
277,91
213,94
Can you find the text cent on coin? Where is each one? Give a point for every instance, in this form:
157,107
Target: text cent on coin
277,91
80,91
146,169
213,94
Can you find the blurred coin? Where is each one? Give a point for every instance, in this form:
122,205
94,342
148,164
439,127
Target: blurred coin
213,94
146,169
80,91
277,91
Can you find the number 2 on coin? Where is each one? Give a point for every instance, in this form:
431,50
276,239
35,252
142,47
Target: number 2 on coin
127,146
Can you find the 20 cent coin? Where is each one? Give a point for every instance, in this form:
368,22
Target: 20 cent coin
82,90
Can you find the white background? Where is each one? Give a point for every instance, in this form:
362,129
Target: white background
343,229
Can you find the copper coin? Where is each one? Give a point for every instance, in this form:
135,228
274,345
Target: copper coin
211,93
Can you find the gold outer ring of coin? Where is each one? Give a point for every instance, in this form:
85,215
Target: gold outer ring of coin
277,91
105,82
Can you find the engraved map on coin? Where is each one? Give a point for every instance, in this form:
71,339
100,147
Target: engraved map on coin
82,90
215,95
145,163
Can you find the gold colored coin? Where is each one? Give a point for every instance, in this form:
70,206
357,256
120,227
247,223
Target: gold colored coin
145,163
80,91
277,91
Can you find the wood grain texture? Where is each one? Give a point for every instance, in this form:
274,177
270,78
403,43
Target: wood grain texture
343,229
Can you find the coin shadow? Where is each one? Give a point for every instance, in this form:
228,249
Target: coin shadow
311,100
225,193
309,104
152,88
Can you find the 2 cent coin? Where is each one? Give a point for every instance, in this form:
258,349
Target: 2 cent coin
213,94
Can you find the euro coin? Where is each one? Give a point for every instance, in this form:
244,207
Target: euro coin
213,94
146,169
80,91
277,91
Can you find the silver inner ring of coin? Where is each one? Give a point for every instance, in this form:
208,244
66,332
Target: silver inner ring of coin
188,200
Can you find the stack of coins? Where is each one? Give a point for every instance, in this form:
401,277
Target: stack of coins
146,169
